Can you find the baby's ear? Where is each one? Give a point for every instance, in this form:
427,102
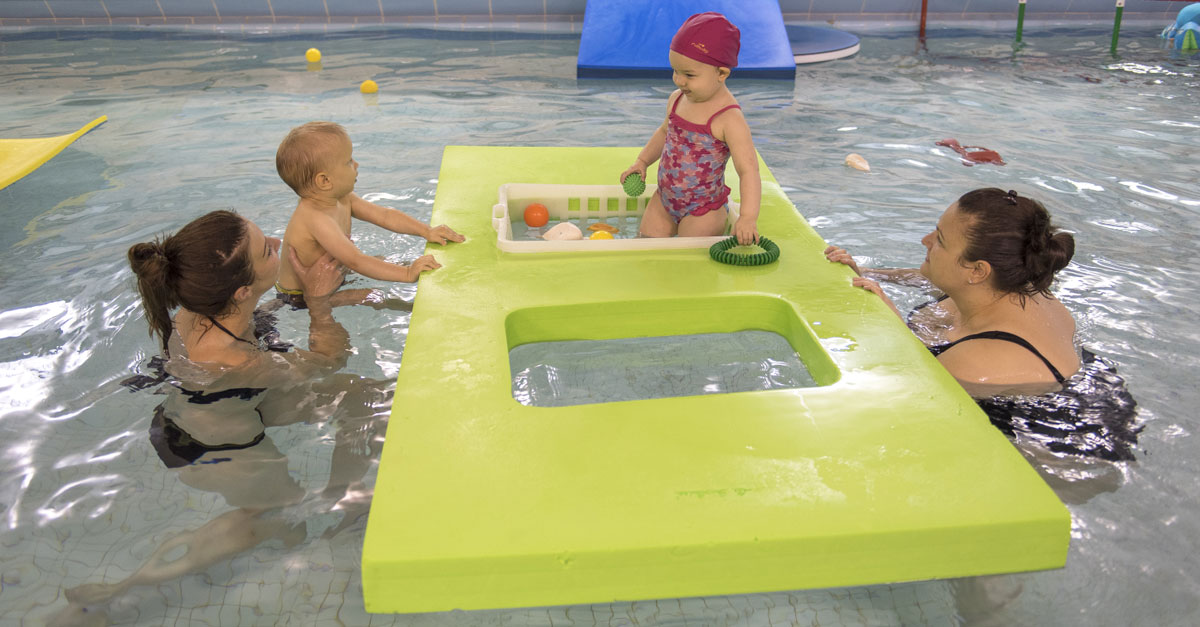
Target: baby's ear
723,73
321,182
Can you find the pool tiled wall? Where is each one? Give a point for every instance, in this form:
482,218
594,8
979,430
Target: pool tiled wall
483,12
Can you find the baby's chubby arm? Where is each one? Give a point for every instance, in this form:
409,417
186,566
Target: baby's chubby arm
732,125
399,222
330,237
652,151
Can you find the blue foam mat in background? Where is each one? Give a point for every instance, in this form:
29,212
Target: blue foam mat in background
631,38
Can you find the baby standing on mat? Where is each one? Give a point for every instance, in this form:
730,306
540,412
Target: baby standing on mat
704,127
316,161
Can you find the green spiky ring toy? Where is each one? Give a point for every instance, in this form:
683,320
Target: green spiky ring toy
634,185
721,252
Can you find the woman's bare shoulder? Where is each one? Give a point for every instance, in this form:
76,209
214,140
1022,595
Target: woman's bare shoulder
991,365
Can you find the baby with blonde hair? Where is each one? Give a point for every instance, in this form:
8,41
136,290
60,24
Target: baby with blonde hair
316,160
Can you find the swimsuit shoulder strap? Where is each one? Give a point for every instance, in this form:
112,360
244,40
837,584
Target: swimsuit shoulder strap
228,332
675,105
723,110
924,305
1007,337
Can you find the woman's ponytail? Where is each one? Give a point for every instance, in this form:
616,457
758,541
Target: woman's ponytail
152,267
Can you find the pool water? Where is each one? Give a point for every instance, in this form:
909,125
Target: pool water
1108,143
557,374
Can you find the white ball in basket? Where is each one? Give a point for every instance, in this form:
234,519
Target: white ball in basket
563,231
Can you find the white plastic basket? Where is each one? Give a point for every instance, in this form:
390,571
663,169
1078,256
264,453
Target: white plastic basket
584,205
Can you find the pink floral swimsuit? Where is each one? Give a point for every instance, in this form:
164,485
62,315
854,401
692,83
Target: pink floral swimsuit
691,175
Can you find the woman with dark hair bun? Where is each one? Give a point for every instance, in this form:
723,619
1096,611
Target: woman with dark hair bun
1013,234
226,384
997,327
214,270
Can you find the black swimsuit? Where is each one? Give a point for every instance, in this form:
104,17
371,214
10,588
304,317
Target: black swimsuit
1093,415
264,331
200,397
176,447
938,349
229,333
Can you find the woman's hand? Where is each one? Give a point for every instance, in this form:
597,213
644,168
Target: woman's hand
320,279
869,285
873,287
325,336
441,234
839,255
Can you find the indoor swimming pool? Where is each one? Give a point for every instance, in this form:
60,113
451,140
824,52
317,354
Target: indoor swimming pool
1108,143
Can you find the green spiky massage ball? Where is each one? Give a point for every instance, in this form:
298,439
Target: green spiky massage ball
634,185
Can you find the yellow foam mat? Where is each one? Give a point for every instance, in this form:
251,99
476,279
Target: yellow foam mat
19,157
886,471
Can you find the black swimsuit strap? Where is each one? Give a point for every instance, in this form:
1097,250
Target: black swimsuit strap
229,333
923,305
938,349
200,397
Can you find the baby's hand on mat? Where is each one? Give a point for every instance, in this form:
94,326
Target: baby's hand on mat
441,233
746,231
422,264
839,255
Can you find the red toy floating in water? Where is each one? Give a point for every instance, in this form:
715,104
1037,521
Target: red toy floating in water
972,154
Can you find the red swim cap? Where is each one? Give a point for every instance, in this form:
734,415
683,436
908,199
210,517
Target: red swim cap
708,38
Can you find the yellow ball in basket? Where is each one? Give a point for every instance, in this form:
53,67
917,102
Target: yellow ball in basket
601,235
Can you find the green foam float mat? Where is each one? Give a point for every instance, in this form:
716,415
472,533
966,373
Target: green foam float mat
885,471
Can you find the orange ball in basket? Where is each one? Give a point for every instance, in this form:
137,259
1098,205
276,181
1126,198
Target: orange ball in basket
536,214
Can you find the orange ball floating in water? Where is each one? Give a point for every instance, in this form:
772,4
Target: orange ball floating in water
368,87
312,55
536,214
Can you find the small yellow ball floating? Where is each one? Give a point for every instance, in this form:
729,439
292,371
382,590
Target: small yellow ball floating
368,87
312,55
601,235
